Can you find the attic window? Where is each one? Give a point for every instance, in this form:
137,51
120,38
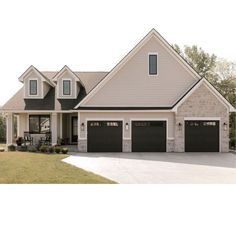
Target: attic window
153,64
33,87
66,87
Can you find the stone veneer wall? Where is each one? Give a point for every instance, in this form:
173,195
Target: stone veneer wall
127,145
82,145
202,103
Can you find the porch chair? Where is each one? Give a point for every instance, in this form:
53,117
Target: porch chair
47,139
27,138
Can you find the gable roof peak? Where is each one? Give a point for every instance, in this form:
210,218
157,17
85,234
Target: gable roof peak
66,68
33,68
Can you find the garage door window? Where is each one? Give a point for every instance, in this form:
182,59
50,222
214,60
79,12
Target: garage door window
209,123
104,124
148,124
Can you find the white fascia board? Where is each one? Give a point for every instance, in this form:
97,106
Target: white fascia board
152,33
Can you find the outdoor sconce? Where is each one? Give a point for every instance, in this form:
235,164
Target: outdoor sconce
82,127
126,126
225,126
179,125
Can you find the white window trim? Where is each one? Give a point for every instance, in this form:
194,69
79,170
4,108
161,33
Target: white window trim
60,89
70,94
37,96
153,53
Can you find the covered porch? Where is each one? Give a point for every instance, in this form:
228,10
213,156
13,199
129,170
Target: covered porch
60,127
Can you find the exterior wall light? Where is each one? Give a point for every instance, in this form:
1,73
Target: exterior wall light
225,126
180,126
126,126
82,127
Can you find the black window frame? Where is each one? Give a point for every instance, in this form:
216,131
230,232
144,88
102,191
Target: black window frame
30,87
150,69
69,87
39,121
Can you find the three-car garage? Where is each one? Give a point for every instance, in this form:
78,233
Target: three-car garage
151,135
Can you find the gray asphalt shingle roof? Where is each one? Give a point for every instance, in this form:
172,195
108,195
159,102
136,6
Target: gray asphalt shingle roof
50,101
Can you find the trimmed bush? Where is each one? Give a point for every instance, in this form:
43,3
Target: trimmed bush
22,148
51,149
32,149
11,148
64,150
57,149
43,149
2,149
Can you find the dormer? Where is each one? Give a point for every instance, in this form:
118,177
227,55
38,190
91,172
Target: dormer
68,84
36,85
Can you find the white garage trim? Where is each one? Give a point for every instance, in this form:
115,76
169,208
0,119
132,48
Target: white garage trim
205,118
146,119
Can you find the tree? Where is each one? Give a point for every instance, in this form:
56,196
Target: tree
202,62
2,129
220,72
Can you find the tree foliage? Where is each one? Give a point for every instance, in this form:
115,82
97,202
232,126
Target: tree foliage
2,128
220,72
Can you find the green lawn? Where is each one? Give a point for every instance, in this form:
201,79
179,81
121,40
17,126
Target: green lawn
25,167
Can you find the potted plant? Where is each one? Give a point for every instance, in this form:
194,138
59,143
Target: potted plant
19,141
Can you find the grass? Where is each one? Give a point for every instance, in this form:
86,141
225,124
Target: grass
32,168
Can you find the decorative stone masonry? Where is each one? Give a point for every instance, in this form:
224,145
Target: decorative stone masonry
127,145
82,145
170,145
202,103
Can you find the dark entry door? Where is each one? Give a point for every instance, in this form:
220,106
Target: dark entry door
148,136
104,136
74,129
202,136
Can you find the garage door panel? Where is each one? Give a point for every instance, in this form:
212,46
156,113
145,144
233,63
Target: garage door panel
202,136
148,136
104,136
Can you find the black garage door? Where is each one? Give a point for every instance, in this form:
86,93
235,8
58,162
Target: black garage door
104,136
202,136
148,136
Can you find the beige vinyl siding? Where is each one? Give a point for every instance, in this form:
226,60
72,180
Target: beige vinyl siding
42,86
127,118
34,76
132,85
74,87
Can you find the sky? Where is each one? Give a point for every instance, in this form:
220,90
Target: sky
95,35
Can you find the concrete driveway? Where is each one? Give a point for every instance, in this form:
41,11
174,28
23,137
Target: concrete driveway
156,168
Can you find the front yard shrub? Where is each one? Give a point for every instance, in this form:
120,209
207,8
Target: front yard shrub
11,148
51,149
23,148
57,149
32,149
2,149
43,149
64,150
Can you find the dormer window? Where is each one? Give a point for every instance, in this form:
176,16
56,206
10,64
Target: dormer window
66,87
33,87
153,64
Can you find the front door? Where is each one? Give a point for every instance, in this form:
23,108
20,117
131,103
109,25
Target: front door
74,129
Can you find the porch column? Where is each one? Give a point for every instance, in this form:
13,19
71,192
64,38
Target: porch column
9,131
54,128
61,125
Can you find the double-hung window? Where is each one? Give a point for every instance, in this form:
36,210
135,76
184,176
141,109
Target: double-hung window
153,69
33,87
66,87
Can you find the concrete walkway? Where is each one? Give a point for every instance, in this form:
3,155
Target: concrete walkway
155,168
